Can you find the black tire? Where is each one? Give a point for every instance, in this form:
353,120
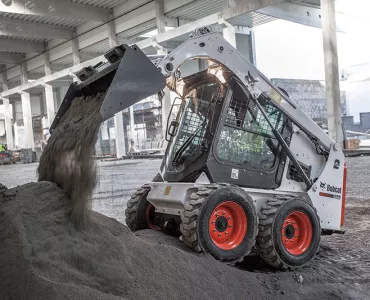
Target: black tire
269,240
137,206
198,210
136,209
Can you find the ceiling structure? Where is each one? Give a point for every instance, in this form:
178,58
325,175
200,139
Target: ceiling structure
28,28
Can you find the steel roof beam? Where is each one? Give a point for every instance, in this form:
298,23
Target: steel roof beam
11,58
21,46
11,27
179,31
49,78
56,8
235,8
301,14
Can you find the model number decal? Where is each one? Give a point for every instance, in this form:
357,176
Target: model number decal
322,194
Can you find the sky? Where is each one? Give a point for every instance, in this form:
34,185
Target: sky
289,50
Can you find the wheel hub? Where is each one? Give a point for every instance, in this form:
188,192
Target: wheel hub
289,231
221,224
297,233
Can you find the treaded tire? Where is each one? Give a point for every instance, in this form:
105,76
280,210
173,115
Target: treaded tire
137,206
136,209
196,216
269,240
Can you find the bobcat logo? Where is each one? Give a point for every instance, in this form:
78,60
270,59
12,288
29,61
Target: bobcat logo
322,185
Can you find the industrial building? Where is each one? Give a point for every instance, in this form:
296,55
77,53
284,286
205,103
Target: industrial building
43,44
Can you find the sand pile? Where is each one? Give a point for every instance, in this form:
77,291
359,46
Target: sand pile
67,158
43,256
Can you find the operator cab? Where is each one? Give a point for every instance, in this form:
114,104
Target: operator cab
219,130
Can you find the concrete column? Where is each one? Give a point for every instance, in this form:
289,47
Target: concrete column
50,108
245,44
329,32
132,124
161,26
7,115
49,95
253,48
160,18
27,119
8,124
26,110
118,117
229,35
42,106
112,37
75,51
166,107
120,135
47,64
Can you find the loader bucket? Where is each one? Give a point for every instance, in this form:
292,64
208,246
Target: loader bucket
136,79
127,79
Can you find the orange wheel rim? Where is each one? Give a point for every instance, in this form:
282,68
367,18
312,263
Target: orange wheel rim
228,225
296,233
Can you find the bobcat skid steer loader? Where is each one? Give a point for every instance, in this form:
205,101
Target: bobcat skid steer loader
244,166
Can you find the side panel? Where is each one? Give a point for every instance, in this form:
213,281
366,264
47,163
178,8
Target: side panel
260,197
327,192
305,153
169,198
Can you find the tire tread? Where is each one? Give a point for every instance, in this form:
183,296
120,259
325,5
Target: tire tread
264,244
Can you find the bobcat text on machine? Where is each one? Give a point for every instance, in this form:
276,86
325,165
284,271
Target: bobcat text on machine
244,166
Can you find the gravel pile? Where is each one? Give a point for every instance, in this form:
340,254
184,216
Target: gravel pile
44,256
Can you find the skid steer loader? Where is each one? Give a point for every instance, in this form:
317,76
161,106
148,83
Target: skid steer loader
244,167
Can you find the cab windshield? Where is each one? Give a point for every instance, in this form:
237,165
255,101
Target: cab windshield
194,118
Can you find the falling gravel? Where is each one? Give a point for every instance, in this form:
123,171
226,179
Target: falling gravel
67,158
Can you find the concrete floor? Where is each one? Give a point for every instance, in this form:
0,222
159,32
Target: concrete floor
116,182
118,179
